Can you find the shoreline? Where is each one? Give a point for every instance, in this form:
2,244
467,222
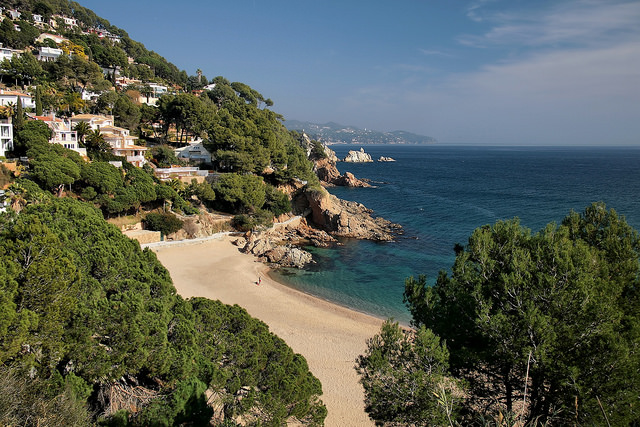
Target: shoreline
328,335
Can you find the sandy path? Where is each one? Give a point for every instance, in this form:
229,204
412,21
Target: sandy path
330,337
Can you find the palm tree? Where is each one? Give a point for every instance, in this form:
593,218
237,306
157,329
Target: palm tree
82,129
11,106
146,91
95,143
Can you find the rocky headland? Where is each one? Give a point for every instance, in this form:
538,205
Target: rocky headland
318,218
321,218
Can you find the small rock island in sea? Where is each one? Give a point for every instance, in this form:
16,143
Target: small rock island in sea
358,157
386,159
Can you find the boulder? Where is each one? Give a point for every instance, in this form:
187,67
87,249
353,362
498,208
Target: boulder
349,180
289,256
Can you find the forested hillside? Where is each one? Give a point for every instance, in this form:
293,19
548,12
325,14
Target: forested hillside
92,330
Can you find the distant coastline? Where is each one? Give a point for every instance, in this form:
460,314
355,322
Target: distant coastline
334,133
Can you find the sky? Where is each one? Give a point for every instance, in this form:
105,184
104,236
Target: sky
492,72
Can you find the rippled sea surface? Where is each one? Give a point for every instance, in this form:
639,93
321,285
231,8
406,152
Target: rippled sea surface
440,194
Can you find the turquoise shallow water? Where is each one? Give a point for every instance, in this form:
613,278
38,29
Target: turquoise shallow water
440,194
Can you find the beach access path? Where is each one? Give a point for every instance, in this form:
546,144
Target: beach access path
329,336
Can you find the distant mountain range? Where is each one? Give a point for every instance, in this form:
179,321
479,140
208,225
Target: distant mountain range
334,133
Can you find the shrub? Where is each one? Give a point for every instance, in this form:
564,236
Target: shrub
166,223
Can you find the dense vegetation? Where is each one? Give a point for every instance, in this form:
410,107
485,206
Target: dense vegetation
87,314
88,320
543,328
251,148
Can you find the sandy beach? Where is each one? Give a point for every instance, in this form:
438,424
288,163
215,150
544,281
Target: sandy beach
330,337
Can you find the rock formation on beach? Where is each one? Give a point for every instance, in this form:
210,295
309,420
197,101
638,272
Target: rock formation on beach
281,245
358,157
324,218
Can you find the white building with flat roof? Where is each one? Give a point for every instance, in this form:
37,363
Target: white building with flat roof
48,54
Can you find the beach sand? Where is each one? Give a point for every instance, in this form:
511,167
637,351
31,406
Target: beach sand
329,336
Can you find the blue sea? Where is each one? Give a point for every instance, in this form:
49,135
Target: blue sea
440,194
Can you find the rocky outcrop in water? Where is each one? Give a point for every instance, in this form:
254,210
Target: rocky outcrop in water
358,157
386,159
349,180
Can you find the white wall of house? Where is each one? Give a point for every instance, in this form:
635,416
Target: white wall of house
48,54
195,151
11,97
6,137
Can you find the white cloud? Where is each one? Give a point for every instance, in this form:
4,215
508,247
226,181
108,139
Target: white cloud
435,52
574,80
581,22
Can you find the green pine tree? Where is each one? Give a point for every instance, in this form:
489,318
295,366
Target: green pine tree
38,101
18,119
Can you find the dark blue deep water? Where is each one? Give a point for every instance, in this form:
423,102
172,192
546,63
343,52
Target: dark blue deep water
441,194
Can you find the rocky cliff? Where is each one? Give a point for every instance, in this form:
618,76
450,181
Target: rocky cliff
343,218
324,160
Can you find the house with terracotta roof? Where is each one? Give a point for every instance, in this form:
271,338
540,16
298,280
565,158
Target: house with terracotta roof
124,144
121,142
95,121
10,97
56,38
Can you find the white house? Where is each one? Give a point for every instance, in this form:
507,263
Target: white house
56,38
124,145
14,14
63,133
118,138
8,53
195,151
152,98
88,95
39,21
184,174
6,137
70,22
94,121
48,54
10,97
